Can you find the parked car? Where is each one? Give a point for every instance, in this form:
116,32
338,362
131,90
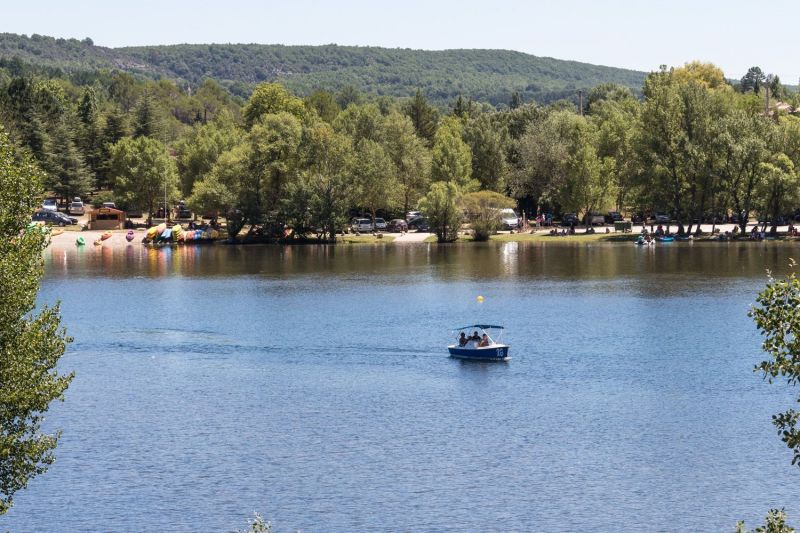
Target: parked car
569,219
397,225
380,224
76,207
109,205
50,204
662,218
412,214
181,211
418,223
614,216
639,218
594,219
53,218
361,225
508,219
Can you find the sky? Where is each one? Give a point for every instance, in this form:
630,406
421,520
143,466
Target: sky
635,34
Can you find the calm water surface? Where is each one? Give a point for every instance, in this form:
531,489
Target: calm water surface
311,384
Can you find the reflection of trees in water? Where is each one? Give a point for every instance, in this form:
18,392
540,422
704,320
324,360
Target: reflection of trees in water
660,269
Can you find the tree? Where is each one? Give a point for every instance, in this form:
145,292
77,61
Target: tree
271,99
31,343
411,159
143,173
441,207
423,116
452,159
483,212
324,104
753,80
273,159
67,172
360,122
743,142
146,120
89,138
775,523
198,151
374,176
327,165
777,189
486,143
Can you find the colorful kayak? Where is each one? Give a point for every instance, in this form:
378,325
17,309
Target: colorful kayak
80,241
105,236
665,238
98,242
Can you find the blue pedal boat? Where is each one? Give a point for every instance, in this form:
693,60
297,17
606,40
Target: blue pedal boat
489,349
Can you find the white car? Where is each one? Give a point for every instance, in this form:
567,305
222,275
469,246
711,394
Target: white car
50,204
361,225
76,207
509,219
380,224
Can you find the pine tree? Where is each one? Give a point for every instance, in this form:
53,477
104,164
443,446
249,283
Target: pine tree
146,123
424,117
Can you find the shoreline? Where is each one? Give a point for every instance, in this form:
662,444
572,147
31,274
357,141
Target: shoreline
66,239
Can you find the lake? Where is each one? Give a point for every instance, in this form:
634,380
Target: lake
312,384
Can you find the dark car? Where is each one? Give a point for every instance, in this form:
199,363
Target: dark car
569,219
397,225
662,218
53,218
614,216
418,223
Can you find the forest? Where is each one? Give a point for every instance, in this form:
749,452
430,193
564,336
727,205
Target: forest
693,144
483,75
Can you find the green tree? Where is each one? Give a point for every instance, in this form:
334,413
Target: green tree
273,161
89,138
753,80
359,122
198,151
147,122
451,157
412,160
775,523
271,99
423,116
143,174
486,142
374,174
31,342
324,104
67,172
483,212
442,209
327,166
777,189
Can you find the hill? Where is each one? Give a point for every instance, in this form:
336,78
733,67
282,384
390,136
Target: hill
483,75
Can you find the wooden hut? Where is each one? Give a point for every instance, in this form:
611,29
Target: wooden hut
107,218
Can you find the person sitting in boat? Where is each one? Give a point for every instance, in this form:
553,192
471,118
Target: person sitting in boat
475,337
484,341
462,340
659,230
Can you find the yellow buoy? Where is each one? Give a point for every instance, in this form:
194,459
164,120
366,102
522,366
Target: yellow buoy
480,299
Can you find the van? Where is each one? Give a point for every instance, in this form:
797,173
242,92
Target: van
508,219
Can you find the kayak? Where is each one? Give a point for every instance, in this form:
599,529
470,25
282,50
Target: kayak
152,233
665,239
98,242
129,236
80,241
166,235
642,242
105,236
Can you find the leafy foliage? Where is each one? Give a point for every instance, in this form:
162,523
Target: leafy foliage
31,342
778,320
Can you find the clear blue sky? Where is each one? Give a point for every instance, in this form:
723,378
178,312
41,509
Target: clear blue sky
634,34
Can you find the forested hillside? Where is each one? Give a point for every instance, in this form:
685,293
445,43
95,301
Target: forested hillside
484,75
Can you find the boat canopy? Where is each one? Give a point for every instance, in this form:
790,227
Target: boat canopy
480,326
